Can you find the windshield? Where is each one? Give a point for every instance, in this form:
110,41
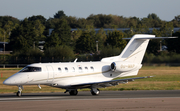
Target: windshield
31,69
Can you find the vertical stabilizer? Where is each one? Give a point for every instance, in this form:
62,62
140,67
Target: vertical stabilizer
135,49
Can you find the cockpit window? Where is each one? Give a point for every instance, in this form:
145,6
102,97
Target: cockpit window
31,69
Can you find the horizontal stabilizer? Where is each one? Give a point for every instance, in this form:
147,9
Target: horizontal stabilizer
151,38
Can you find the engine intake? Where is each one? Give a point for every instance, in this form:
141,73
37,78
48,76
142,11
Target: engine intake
113,66
124,66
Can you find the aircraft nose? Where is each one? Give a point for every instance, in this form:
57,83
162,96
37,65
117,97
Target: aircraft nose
7,82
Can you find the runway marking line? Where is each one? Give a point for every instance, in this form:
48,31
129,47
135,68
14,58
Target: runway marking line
31,98
56,98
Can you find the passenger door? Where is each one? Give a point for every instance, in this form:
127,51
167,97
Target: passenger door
50,73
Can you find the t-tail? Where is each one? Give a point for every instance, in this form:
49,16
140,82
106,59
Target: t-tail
134,50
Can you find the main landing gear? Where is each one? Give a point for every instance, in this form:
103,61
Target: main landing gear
95,91
19,93
72,92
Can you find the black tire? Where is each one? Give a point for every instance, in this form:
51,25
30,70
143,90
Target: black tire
19,93
93,93
73,92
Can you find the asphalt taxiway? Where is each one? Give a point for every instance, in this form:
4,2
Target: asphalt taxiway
107,100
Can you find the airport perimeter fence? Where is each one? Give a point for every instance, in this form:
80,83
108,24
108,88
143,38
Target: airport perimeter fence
19,62
12,65
29,60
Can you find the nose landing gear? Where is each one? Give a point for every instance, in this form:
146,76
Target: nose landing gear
19,93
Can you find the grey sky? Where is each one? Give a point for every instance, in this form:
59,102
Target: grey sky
165,9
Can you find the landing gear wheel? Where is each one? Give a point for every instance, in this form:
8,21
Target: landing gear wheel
19,93
73,92
95,91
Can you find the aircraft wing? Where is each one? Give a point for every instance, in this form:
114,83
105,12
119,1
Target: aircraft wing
106,83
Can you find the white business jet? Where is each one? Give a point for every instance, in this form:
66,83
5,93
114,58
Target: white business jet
78,75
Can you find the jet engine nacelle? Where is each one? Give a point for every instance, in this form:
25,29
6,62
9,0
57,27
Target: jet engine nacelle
124,66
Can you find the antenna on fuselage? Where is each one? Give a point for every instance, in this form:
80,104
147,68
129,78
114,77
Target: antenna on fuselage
75,60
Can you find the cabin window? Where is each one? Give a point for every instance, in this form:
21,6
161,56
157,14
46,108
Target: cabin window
31,69
92,68
66,69
80,69
73,69
59,69
86,69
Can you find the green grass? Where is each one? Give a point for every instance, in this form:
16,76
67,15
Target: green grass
165,78
7,69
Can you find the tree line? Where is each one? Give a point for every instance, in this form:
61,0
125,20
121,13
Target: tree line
24,35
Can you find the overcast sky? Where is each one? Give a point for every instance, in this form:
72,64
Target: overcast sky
165,9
